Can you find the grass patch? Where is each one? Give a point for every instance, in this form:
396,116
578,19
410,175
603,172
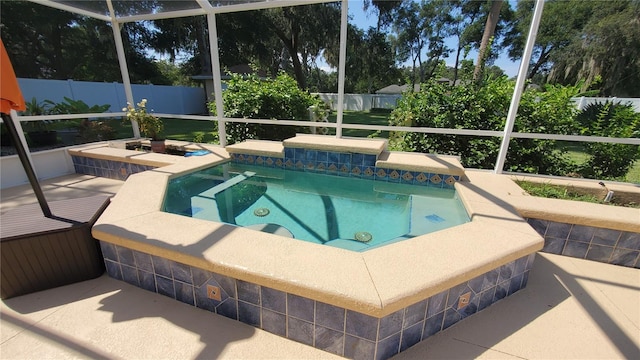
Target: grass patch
576,153
380,118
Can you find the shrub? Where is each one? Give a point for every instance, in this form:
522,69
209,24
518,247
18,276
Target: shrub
485,107
255,98
609,161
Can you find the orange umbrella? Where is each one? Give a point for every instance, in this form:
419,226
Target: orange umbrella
11,99
10,95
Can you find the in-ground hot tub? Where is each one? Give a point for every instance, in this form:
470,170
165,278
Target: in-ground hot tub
346,212
370,304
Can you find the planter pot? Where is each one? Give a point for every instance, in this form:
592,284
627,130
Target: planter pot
42,138
158,146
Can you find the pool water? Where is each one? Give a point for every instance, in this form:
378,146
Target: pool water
351,213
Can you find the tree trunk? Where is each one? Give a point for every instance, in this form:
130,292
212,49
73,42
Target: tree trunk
489,29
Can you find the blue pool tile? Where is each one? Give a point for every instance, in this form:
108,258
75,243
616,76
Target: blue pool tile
624,257
200,276
333,157
553,245
391,324
356,171
125,256
329,340
437,303
248,292
161,266
165,286
357,348
451,316
506,271
147,280
388,347
310,156
108,251
130,275
298,154
433,325
599,253
558,230
381,174
486,298
274,300
113,269
227,283
525,279
322,157
184,293
502,289
606,237
414,314
330,316
300,331
470,308
520,265
345,158
361,325
455,293
249,313
581,233
273,322
300,307
516,284
629,240
576,249
540,226
411,336
228,308
289,153
369,160
394,176
357,159
181,272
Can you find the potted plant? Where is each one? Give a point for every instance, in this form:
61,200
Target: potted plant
151,126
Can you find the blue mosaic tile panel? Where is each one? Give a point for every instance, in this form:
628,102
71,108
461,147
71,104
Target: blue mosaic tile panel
348,165
591,243
333,329
106,168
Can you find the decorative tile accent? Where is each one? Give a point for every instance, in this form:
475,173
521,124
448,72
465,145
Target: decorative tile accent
587,242
436,179
324,326
421,178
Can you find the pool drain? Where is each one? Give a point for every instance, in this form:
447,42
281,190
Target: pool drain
261,212
363,236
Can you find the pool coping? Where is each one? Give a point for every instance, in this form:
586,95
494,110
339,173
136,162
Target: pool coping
377,283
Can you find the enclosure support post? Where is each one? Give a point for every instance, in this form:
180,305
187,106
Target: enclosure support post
341,66
19,142
126,81
519,88
217,78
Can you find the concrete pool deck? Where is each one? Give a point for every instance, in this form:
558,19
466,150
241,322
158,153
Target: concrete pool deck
106,318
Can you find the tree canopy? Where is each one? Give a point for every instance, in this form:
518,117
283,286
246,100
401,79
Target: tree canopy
595,43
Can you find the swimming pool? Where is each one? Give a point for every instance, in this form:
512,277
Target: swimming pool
350,213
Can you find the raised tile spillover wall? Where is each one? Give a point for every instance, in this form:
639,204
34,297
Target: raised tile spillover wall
117,170
586,242
345,164
324,326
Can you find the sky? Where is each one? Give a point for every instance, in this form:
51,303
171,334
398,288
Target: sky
363,20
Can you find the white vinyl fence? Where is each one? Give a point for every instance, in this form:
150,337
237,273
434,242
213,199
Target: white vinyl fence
161,98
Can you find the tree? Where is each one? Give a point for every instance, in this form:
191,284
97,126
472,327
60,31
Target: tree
489,29
52,44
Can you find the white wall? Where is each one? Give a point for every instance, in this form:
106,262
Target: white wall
48,164
161,98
